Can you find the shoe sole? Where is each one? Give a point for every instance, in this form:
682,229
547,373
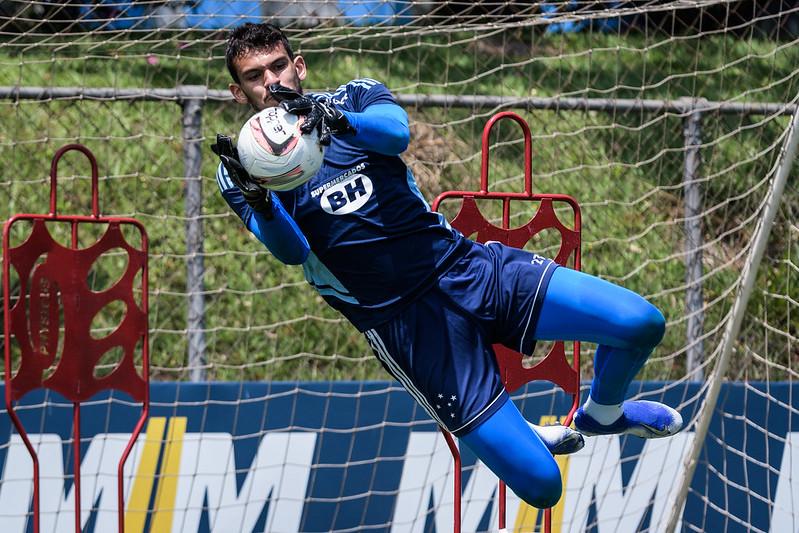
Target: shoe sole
571,444
642,430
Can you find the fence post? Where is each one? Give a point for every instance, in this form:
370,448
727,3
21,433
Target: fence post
192,104
746,282
692,206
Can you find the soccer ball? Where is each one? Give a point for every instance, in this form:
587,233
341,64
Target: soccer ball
274,151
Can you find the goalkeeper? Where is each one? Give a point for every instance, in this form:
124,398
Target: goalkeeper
431,302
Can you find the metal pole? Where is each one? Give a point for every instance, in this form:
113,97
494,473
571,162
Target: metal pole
468,101
748,278
694,301
192,159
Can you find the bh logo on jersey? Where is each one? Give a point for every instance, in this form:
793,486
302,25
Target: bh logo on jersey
348,195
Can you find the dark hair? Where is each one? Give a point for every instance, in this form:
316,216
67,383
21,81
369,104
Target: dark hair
253,37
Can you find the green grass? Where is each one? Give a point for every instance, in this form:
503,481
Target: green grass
263,321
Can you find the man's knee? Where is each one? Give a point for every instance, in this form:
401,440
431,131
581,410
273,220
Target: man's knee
541,487
649,326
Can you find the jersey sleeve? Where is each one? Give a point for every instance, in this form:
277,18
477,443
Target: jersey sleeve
280,234
382,128
362,93
380,122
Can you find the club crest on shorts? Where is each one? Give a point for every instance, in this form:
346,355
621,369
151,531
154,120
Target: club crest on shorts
348,195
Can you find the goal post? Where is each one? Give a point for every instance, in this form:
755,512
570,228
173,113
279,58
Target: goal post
749,273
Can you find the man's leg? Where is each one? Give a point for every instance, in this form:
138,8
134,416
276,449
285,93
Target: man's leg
506,444
627,328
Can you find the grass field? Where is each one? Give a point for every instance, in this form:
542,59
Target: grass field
626,170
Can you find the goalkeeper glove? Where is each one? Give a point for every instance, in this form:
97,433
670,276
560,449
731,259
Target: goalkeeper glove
320,115
257,197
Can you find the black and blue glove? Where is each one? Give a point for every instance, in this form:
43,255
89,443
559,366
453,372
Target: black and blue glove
256,196
319,115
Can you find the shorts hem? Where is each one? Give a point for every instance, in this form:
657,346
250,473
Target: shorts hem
492,407
528,341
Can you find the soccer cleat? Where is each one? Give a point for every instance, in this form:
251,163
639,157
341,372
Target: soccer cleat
645,419
559,440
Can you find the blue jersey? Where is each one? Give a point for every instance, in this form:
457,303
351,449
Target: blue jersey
375,245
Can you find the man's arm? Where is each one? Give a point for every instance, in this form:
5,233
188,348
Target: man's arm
280,234
381,128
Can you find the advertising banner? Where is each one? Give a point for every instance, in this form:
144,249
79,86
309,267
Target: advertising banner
362,456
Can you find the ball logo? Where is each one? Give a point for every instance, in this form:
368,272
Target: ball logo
272,135
347,196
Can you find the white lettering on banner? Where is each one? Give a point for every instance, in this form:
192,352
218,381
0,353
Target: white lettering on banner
278,474
595,471
786,501
428,473
16,489
280,471
98,488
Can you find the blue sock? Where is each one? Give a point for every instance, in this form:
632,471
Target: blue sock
614,370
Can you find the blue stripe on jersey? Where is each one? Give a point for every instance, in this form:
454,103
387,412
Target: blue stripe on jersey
365,83
279,234
342,92
222,179
415,190
321,279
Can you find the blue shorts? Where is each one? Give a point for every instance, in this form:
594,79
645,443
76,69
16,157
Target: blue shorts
440,346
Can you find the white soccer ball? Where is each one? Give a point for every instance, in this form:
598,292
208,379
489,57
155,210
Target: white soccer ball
274,151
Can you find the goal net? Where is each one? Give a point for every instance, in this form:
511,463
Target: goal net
669,122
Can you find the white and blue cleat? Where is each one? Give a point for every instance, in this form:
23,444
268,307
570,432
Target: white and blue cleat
559,439
642,418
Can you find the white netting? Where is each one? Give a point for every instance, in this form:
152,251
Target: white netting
664,119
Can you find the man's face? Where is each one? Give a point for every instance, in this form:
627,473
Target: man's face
259,69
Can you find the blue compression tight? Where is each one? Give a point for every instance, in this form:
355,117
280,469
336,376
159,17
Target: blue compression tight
511,449
624,325
576,307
